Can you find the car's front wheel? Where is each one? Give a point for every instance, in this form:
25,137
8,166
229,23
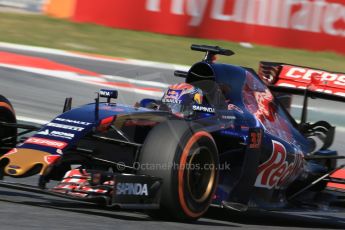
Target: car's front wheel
186,158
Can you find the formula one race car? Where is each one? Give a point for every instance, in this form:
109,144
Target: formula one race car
224,138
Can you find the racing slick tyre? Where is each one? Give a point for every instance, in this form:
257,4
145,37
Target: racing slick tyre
186,158
6,115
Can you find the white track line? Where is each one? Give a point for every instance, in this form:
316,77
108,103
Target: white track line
99,81
136,81
151,64
32,120
54,73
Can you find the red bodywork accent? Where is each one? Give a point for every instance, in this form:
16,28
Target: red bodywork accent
14,150
314,80
51,159
107,120
338,175
332,185
105,123
76,183
7,106
46,142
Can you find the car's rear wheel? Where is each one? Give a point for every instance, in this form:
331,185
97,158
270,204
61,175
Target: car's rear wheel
186,158
6,115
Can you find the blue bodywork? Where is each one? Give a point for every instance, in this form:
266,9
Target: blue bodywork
245,104
84,114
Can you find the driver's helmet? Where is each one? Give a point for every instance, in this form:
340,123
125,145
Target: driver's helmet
180,98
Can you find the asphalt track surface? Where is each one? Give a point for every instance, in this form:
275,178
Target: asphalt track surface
42,97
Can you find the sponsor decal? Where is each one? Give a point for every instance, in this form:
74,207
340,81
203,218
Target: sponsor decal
55,133
105,93
46,142
172,95
112,108
73,121
227,117
276,171
304,74
315,80
255,136
234,107
198,98
174,101
265,108
259,101
136,189
287,14
203,109
108,93
312,22
62,126
62,134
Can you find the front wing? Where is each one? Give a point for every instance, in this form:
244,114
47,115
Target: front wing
128,191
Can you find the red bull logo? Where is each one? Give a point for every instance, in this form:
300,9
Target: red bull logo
198,98
173,94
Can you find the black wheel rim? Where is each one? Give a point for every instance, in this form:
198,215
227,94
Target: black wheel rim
201,174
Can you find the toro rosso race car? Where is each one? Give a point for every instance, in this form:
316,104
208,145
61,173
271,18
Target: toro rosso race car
222,138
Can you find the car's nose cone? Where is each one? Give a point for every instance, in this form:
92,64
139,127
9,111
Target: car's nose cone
24,162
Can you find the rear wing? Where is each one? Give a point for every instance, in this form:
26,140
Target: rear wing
315,83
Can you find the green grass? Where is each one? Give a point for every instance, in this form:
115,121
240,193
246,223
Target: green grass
43,31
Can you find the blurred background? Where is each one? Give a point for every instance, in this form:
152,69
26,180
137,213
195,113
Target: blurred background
250,27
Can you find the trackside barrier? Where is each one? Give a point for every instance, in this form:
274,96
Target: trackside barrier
306,24
60,8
